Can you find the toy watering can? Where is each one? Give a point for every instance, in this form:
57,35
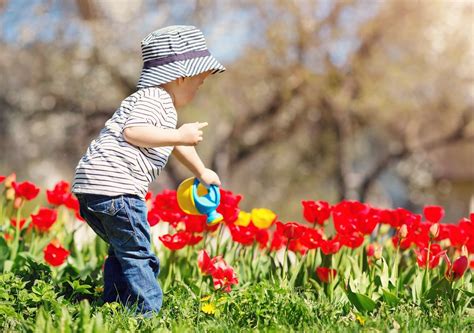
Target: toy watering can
195,199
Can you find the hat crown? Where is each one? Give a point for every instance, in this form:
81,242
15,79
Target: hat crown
172,40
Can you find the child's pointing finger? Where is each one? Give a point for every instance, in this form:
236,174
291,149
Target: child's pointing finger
202,125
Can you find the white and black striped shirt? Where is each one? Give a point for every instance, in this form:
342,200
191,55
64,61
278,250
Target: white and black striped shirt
111,165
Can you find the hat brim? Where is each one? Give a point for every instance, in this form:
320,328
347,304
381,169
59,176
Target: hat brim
169,72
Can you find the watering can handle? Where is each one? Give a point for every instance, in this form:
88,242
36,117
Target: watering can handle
213,194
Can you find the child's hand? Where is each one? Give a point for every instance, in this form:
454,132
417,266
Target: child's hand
208,177
191,134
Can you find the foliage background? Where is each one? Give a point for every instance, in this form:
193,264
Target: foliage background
322,100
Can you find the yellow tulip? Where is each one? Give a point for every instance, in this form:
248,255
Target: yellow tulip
243,220
263,218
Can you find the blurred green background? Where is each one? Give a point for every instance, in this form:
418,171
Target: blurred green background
322,100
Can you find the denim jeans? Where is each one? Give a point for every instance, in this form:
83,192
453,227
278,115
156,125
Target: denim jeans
131,268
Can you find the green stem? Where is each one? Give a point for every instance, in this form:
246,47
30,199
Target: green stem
17,234
2,218
199,298
171,264
251,261
218,240
284,274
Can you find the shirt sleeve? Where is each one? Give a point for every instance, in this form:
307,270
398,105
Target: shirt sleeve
149,112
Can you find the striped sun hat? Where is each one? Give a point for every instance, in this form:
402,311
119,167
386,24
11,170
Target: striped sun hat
173,52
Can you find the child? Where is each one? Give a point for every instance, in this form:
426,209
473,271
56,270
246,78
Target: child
112,178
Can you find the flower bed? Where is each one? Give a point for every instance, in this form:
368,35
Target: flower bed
361,257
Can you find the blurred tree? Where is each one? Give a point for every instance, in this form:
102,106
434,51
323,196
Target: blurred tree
328,100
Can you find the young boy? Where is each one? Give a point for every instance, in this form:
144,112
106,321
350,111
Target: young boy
112,178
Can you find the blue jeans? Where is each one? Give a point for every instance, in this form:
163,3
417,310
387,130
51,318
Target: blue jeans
131,268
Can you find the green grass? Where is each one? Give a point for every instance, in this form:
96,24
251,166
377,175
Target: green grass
261,307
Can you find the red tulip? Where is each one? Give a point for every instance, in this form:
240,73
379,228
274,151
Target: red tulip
352,241
193,239
44,219
292,230
435,254
2,178
229,206
229,198
457,269
390,217
26,190
330,246
71,202
230,213
55,254
148,196
13,222
325,274
366,224
59,194
195,223
295,245
316,211
262,237
176,241
223,275
172,217
204,263
166,200
344,224
243,235
153,217
311,238
433,213
278,239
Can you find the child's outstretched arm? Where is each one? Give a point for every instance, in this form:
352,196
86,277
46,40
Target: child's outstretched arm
151,136
188,156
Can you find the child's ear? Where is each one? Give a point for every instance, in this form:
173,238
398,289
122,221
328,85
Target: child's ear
180,80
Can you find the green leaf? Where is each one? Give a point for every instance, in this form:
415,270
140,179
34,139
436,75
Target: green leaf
468,293
4,250
417,287
440,288
384,275
360,301
7,265
390,298
296,271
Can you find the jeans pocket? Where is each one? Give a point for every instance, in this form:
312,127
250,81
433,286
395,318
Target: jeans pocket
105,205
120,228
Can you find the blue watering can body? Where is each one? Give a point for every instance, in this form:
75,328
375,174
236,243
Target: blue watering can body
196,199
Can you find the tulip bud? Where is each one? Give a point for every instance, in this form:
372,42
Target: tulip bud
464,251
10,194
459,267
181,226
403,231
9,179
370,250
17,203
434,230
378,252
149,204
